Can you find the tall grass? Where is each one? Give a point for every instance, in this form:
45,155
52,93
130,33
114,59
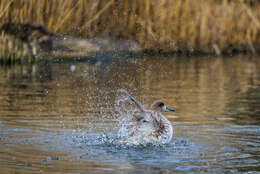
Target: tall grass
210,26
13,50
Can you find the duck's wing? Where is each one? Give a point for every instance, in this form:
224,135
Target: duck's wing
139,116
140,107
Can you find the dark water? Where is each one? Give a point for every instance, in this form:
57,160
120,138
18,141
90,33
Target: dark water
60,117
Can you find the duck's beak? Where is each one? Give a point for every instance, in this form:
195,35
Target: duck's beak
170,110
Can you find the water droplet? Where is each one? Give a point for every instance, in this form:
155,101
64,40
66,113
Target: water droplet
72,68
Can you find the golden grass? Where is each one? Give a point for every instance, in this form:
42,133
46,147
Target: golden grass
12,50
209,26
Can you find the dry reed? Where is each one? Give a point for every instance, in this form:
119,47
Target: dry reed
212,26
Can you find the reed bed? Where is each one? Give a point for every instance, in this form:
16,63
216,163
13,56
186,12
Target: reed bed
205,26
13,50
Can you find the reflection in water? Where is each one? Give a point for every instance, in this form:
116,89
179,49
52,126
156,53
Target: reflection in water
60,117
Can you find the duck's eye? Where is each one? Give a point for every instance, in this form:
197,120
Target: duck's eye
144,121
160,104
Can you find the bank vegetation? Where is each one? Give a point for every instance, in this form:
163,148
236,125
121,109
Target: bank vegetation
185,26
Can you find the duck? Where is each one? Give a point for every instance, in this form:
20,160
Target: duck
150,126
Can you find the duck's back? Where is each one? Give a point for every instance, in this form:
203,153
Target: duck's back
157,131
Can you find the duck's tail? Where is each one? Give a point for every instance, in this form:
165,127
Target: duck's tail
140,107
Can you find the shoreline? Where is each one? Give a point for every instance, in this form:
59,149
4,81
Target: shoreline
214,27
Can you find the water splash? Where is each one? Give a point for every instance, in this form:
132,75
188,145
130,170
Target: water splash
125,109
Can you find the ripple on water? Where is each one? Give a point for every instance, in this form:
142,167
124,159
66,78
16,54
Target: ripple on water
61,122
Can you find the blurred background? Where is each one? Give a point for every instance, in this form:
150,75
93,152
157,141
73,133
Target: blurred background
212,26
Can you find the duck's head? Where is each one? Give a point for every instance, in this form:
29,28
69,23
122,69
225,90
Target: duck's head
160,107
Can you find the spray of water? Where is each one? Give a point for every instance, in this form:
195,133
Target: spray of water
124,130
131,131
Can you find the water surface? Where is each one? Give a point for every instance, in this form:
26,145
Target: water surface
61,117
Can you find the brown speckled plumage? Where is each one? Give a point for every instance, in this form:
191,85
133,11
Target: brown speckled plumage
151,125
